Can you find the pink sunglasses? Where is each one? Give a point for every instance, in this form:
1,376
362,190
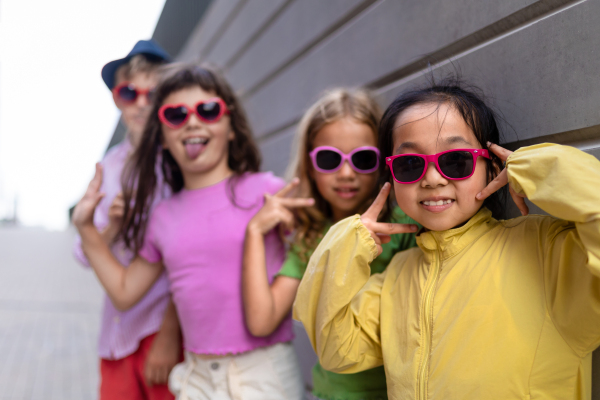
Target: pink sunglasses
128,93
208,111
454,164
327,159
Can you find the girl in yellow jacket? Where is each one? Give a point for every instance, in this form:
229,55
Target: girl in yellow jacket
483,308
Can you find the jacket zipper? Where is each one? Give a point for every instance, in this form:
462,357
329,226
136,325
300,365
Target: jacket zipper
427,327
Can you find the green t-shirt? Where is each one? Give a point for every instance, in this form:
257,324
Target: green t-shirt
365,385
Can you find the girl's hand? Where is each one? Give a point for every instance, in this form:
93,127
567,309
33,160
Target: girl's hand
381,231
501,180
278,210
116,211
83,215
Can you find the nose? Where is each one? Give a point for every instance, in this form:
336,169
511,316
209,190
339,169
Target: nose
193,122
432,177
346,172
142,101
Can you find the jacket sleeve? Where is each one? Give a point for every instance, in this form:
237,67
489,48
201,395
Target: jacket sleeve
565,182
338,301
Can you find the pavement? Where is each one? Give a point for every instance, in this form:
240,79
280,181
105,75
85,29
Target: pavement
49,318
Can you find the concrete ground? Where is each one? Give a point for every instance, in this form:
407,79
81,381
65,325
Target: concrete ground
49,316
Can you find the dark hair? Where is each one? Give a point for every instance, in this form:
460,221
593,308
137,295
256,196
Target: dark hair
468,101
139,178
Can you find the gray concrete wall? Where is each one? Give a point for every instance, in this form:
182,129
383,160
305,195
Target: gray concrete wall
538,61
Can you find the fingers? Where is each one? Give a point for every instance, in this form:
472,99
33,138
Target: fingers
389,228
519,201
288,188
96,181
297,203
375,209
500,181
501,152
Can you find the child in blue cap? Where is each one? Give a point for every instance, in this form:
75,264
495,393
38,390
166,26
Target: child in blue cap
138,347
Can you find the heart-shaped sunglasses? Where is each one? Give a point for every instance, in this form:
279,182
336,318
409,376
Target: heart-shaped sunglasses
208,111
127,93
327,159
454,164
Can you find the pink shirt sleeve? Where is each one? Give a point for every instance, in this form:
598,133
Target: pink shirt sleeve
150,251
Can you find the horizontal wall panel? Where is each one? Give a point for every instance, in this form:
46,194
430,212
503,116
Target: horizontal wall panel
209,28
277,151
543,78
386,36
299,25
250,19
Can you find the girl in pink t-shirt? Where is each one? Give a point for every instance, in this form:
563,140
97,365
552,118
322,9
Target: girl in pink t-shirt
211,164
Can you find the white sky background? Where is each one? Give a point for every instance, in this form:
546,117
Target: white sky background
56,114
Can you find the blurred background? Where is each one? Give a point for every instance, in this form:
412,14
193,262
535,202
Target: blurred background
538,62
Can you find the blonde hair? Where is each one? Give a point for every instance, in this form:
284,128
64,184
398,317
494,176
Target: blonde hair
334,105
137,64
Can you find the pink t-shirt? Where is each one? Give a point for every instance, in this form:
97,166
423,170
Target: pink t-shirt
199,236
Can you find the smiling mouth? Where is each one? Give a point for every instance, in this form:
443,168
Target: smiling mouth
437,203
346,193
437,206
194,146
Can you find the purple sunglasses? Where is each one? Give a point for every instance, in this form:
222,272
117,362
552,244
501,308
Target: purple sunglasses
363,160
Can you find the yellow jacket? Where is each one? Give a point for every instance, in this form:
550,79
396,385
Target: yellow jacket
491,310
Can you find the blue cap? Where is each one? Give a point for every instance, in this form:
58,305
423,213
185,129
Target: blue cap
148,48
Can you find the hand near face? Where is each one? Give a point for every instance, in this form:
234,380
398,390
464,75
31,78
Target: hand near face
278,209
83,215
501,180
381,231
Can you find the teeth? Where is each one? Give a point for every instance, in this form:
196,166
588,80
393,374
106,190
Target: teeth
437,203
196,140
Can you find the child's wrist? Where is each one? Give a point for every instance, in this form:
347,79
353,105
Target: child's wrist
254,229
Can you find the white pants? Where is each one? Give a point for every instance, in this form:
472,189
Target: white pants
267,373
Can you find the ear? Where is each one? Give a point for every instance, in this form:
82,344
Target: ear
163,143
231,135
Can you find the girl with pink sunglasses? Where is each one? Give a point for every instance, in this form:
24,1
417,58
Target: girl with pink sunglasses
483,308
210,162
335,166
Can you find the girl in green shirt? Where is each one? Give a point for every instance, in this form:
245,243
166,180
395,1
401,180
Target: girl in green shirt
335,175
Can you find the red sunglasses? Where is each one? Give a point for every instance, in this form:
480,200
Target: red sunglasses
209,111
128,93
454,164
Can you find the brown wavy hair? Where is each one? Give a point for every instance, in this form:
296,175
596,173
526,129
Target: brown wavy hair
139,180
333,106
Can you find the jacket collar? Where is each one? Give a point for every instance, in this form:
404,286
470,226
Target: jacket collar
452,241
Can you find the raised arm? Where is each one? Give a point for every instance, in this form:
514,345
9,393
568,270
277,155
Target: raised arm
266,305
564,182
338,300
124,286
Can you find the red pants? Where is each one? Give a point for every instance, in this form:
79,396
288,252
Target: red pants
124,379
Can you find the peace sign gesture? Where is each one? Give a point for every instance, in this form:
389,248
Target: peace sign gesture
278,210
381,231
84,210
501,180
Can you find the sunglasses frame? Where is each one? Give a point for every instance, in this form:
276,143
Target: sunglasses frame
131,86
345,157
223,110
475,153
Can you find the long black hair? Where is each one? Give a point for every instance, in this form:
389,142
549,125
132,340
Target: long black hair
468,101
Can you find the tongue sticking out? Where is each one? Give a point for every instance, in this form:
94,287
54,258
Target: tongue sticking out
193,149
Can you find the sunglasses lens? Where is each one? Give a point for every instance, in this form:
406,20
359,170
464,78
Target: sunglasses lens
209,111
127,93
456,164
408,168
176,115
364,160
328,160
